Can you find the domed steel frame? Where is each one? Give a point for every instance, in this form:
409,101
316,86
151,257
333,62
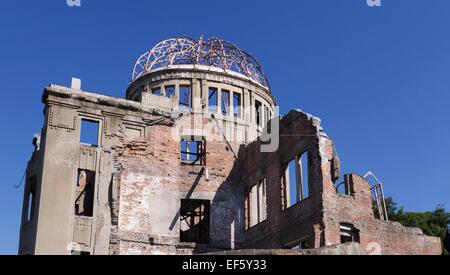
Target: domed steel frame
212,52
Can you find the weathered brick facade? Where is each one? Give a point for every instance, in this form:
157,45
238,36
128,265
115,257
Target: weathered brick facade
153,181
148,196
318,217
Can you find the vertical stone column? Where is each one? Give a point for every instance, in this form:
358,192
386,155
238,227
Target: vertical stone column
246,112
204,94
253,132
177,96
246,103
196,96
219,100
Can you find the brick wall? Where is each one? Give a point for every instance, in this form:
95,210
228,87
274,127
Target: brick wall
153,180
320,216
141,182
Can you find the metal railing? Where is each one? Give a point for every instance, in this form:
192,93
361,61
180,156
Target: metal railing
378,193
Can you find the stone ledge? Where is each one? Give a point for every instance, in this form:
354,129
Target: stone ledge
340,249
124,104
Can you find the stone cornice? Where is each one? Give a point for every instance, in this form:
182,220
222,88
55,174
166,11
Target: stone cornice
94,98
196,73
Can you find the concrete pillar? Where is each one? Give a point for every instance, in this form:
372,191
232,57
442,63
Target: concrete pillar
299,178
204,94
219,101
196,100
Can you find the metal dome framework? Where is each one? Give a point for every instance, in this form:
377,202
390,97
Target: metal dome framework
212,52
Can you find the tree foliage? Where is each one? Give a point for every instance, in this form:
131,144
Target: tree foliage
433,223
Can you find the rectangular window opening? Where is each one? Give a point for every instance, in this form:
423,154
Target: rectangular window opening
266,114
299,245
193,151
349,233
84,202
89,132
212,100
31,200
194,221
157,91
295,181
169,90
258,113
185,98
237,105
225,102
256,204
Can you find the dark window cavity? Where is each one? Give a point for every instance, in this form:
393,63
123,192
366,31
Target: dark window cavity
258,113
349,233
266,114
194,219
84,203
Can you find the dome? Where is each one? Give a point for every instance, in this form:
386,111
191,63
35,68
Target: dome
212,52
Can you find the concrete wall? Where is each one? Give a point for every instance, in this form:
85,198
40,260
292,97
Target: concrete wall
28,226
62,154
140,179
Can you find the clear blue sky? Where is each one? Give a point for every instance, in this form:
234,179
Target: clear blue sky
378,77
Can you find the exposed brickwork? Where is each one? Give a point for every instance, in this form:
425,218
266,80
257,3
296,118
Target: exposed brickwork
152,171
389,237
141,181
319,217
153,180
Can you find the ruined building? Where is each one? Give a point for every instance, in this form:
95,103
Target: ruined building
195,159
